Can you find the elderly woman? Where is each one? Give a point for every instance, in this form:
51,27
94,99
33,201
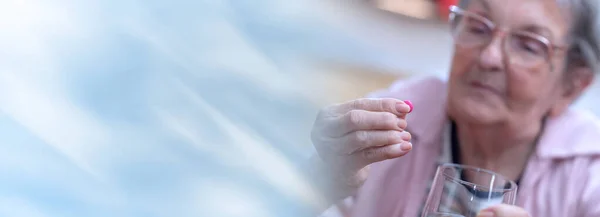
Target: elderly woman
517,67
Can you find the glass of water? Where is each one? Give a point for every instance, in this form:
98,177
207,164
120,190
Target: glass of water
462,191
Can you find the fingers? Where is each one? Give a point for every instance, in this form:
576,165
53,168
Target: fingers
355,120
393,106
376,154
360,140
352,135
503,210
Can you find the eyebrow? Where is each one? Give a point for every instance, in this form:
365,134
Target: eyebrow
531,27
486,5
483,3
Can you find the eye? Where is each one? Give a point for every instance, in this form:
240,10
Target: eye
531,45
476,26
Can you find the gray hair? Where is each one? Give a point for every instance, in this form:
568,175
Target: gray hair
585,31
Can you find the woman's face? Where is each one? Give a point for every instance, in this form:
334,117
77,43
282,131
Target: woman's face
489,84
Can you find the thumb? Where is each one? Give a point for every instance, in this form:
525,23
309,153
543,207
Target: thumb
503,210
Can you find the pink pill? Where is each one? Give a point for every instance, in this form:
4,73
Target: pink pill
409,104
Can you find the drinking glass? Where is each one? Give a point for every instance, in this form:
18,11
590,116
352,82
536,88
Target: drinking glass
462,191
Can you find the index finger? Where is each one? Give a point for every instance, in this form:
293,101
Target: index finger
395,106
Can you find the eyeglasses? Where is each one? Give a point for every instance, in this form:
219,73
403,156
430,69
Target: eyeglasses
525,49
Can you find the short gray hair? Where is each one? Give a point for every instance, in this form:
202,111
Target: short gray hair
586,31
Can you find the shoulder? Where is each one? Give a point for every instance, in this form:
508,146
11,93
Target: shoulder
575,134
572,143
590,197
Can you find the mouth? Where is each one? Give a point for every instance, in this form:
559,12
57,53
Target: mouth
484,87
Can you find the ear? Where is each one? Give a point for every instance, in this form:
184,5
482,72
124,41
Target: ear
577,80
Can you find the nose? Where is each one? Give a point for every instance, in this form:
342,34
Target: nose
491,57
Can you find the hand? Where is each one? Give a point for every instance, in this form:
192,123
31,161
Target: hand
350,136
503,210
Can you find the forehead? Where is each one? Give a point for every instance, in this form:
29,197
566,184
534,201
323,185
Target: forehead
547,17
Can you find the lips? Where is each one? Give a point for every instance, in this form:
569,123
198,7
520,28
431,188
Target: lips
485,87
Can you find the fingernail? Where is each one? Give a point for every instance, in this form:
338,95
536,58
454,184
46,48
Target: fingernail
406,146
486,213
402,123
405,136
409,103
403,108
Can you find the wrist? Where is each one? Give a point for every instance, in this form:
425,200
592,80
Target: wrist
334,184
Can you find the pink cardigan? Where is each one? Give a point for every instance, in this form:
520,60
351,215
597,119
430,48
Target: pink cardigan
562,178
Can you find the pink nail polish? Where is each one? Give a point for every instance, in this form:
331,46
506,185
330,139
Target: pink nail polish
486,213
406,146
409,104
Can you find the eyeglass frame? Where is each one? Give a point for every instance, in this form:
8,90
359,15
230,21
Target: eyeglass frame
495,29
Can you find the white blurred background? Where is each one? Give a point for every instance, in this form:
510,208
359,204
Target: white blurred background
185,108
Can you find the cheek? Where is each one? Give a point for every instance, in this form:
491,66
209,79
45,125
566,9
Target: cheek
529,86
536,83
462,61
533,92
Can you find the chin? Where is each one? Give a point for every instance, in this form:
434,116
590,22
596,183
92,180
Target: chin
475,111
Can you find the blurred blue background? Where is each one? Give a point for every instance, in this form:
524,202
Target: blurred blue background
146,108
182,108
